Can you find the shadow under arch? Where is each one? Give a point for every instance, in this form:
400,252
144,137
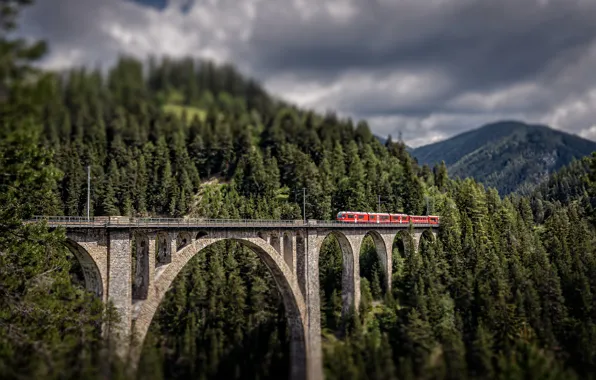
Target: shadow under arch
201,235
402,249
163,253
287,246
350,291
404,243
383,256
183,239
426,237
91,272
285,280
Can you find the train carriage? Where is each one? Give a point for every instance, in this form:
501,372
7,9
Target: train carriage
378,218
433,219
400,218
352,217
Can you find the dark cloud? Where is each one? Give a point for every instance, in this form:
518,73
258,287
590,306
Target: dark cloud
504,40
480,45
429,68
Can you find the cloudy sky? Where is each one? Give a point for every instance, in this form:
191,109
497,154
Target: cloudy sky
428,68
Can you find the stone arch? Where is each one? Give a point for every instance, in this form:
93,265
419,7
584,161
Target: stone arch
427,235
385,257
262,235
402,245
140,283
350,277
408,242
201,234
275,241
288,249
183,239
300,257
286,282
93,277
164,249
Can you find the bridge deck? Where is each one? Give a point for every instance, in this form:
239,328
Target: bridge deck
125,222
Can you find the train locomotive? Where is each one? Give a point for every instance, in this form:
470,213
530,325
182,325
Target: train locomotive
382,218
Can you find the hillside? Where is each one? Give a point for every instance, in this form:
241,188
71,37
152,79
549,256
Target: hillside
510,156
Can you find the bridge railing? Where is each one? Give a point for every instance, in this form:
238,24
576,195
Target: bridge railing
140,221
106,221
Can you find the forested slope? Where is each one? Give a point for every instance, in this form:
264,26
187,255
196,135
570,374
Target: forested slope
508,155
507,291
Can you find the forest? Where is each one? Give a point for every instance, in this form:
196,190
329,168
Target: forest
506,291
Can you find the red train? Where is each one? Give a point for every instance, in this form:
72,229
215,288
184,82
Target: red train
374,217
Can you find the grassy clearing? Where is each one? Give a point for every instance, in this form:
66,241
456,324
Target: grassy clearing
191,112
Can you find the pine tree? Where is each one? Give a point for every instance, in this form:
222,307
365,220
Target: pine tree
440,172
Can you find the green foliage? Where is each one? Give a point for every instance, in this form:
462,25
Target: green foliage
223,317
50,327
185,113
330,280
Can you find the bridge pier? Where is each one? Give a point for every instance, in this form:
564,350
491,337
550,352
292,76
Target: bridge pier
309,275
386,259
350,280
120,287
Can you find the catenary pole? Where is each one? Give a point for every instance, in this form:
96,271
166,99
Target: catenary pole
304,204
88,190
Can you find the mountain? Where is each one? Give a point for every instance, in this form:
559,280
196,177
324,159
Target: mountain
509,155
382,140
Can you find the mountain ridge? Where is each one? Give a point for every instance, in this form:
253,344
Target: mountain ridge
509,155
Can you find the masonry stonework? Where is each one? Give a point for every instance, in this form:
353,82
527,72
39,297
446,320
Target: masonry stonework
120,283
291,255
90,247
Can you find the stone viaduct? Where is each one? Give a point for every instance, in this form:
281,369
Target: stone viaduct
132,263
